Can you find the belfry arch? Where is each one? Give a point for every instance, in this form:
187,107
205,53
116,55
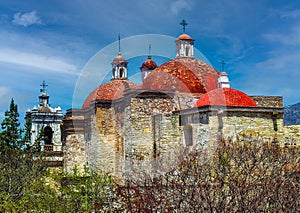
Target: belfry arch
48,135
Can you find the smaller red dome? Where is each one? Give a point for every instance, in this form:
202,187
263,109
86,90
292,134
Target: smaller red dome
149,64
223,73
184,37
225,97
109,91
119,59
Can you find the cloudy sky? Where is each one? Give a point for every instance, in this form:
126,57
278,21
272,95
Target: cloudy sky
54,40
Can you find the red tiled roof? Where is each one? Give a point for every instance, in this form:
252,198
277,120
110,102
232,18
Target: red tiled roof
184,37
225,97
110,91
184,75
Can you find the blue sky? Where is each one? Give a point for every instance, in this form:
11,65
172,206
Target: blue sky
54,40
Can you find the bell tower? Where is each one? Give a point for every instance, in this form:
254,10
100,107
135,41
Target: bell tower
119,65
46,128
184,43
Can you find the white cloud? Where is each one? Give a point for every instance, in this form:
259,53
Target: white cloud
179,5
26,19
37,61
290,14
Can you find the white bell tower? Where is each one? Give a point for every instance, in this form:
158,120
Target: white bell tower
46,128
184,44
119,66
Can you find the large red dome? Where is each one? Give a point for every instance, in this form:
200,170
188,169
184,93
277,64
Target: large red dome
109,91
184,74
225,97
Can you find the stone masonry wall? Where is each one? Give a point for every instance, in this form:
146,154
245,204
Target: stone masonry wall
263,126
74,152
150,129
291,135
105,145
268,101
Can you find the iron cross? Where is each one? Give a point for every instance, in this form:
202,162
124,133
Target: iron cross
183,23
223,65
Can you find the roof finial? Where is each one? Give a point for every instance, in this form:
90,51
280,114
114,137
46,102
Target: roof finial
43,85
183,23
119,53
223,65
149,56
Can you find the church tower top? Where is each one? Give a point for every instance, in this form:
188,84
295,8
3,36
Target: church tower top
44,98
119,65
184,43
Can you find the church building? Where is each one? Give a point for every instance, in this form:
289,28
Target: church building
182,104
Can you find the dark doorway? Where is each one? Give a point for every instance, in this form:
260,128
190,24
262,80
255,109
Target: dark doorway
48,135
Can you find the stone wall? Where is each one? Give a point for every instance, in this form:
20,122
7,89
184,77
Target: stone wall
291,135
150,130
105,144
232,123
262,126
74,152
74,146
268,101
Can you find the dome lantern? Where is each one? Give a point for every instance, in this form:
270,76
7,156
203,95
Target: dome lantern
119,65
148,66
184,44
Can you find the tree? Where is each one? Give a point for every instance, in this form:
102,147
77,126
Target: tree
19,166
11,132
27,132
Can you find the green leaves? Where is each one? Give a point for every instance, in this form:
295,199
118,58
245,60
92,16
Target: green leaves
11,132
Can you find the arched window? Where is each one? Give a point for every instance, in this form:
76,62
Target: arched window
187,51
188,135
48,135
121,72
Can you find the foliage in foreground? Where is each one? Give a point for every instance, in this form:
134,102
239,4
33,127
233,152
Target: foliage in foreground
236,177
239,177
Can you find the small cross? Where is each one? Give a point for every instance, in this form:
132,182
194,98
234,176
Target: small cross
223,65
183,23
43,85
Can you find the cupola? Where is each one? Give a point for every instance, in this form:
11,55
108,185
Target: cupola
184,44
44,98
119,66
148,66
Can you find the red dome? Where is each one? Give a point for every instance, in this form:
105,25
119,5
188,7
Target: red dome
149,64
183,75
184,37
119,59
109,91
225,97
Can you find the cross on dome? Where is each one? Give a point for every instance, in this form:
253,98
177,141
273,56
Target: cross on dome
184,24
223,65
